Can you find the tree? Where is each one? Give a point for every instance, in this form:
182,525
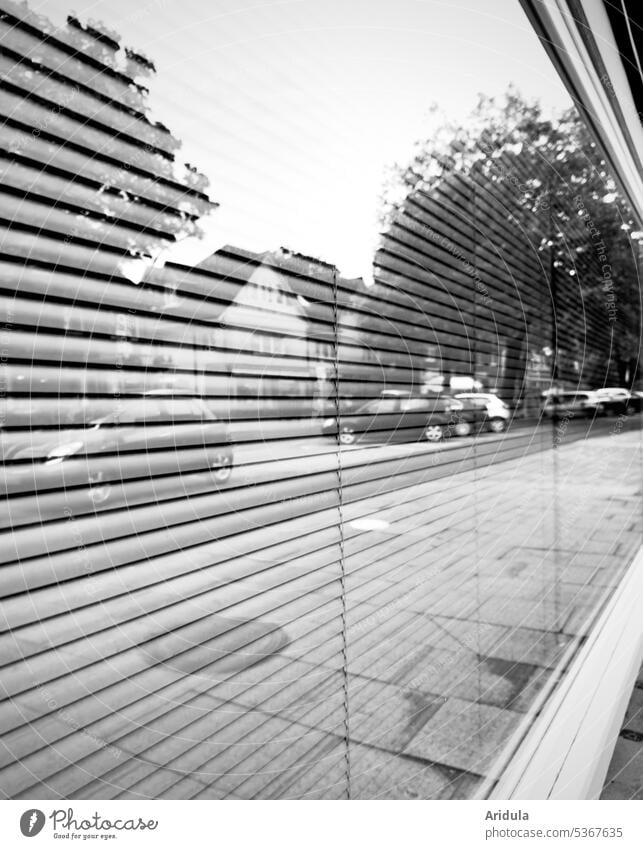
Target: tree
522,206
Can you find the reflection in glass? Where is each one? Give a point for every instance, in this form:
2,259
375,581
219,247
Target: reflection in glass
317,523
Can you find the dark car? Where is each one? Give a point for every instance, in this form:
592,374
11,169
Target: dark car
571,404
404,418
617,401
158,434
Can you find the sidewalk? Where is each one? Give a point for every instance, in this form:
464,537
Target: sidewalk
458,608
625,775
537,544
410,647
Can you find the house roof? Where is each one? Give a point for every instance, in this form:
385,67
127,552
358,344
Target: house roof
215,283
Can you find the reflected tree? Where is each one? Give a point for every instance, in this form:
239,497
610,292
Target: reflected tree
521,223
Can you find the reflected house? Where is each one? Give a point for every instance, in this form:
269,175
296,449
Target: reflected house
288,335
251,332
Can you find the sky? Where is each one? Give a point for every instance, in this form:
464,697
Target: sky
294,109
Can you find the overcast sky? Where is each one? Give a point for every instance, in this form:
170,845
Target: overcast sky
293,109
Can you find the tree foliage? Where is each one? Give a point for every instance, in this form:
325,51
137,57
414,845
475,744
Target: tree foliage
557,194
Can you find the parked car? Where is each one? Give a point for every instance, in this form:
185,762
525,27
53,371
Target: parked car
571,404
498,414
618,401
86,455
397,417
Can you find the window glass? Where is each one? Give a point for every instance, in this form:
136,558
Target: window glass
383,405
253,213
409,405
140,411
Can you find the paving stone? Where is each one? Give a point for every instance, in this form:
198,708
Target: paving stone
603,561
549,568
211,755
618,790
371,621
578,617
600,546
389,661
626,766
625,774
454,603
365,587
528,645
247,767
539,615
273,681
321,773
386,716
525,679
476,678
634,714
451,634
466,786
464,735
381,775
279,753
391,625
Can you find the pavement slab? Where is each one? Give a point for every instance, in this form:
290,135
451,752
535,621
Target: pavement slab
463,734
528,645
626,766
381,775
624,778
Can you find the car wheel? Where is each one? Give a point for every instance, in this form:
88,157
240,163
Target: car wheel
222,467
497,425
347,436
629,410
433,433
463,428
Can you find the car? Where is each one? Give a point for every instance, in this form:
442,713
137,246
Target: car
498,414
618,401
569,404
397,417
451,383
93,454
